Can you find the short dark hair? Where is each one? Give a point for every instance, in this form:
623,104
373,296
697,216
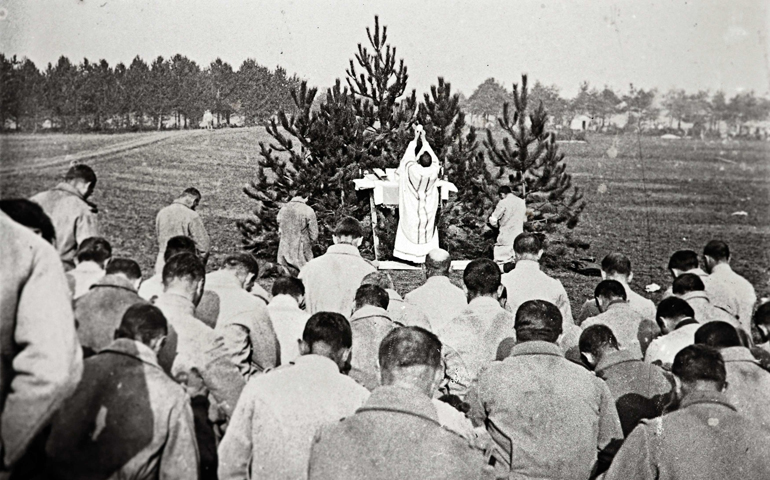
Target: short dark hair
142,322
595,337
538,320
409,346
31,215
504,190
379,278
686,283
699,362
527,243
330,328
717,335
683,260
192,192
185,266
242,261
762,314
610,289
482,277
425,159
288,286
372,295
673,307
94,249
349,227
616,264
124,266
177,245
718,250
81,172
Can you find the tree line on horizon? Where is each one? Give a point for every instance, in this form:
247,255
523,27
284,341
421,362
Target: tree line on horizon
703,110
95,96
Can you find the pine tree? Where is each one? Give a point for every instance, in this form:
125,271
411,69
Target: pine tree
530,162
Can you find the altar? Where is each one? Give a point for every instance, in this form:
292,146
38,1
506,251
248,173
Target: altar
383,190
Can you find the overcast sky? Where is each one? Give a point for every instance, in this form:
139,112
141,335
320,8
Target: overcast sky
695,44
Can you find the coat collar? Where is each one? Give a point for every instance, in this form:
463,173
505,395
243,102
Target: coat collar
69,189
694,398
132,348
284,301
614,358
525,264
115,281
535,347
176,302
183,202
405,401
721,268
438,280
696,295
738,354
484,301
618,305
223,278
684,322
343,249
368,311
318,363
89,267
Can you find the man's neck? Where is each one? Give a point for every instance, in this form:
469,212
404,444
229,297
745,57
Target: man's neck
180,292
528,258
622,279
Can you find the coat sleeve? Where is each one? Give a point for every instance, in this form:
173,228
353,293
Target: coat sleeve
634,459
221,376
477,413
86,226
201,237
312,225
49,361
235,451
564,305
180,456
609,423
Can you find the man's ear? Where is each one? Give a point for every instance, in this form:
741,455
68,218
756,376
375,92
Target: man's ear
335,239
304,347
138,283
539,254
604,275
630,277
358,241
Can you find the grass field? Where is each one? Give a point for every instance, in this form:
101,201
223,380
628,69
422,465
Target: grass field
675,194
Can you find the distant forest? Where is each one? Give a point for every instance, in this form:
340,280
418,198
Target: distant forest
176,92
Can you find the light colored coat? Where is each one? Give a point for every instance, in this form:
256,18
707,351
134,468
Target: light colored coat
73,217
439,299
633,331
41,357
704,439
527,282
509,217
299,231
83,276
127,419
369,325
744,292
332,279
179,219
289,323
642,305
722,296
272,429
663,350
748,385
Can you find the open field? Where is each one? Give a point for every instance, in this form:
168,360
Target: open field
677,194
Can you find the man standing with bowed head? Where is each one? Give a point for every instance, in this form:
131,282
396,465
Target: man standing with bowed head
397,434
509,217
548,417
332,279
717,257
705,438
437,297
298,227
73,216
180,218
418,200
272,429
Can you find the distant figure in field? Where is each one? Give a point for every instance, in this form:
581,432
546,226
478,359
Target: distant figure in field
633,331
717,257
127,418
418,200
298,227
677,323
180,218
91,259
42,360
509,217
705,438
617,266
438,297
397,433
332,279
73,216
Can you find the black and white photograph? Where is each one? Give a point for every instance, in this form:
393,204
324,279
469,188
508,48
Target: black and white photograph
420,240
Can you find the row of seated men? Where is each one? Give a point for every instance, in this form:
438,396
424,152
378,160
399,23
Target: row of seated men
207,375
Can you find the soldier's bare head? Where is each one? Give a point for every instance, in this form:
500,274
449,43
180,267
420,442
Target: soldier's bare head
700,368
192,197
348,231
437,263
83,178
328,334
410,357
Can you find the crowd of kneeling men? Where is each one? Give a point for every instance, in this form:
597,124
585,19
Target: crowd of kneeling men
334,375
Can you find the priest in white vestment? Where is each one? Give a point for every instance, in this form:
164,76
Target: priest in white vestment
418,201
